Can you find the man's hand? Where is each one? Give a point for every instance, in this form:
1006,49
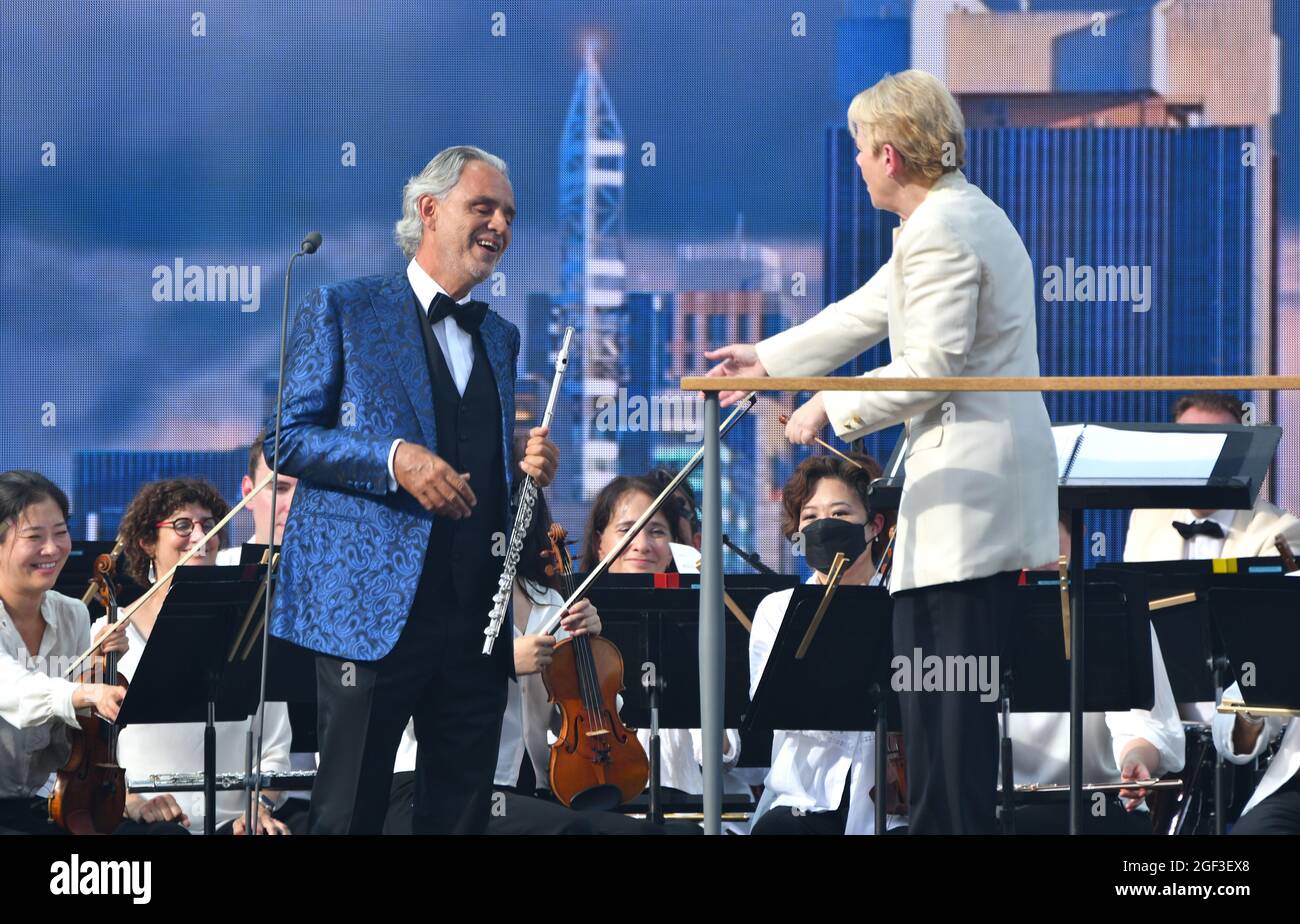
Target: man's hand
541,457
159,808
805,423
533,653
430,480
738,360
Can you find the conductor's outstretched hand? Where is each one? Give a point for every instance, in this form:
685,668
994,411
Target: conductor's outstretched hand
738,360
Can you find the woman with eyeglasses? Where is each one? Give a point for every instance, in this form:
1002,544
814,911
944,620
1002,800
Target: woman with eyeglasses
165,521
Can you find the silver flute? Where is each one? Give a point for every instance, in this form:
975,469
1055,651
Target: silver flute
524,514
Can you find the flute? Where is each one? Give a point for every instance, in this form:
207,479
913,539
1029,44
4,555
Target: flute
524,515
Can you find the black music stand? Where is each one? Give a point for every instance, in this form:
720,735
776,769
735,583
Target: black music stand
842,682
1254,623
654,620
186,673
1233,484
1117,654
1195,659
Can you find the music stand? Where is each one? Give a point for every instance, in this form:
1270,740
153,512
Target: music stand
842,679
1116,652
188,673
654,620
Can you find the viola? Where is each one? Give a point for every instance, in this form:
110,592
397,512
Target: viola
596,763
89,794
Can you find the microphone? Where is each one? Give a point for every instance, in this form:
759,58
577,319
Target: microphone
310,244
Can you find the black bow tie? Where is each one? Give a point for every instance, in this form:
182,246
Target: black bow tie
1201,528
469,315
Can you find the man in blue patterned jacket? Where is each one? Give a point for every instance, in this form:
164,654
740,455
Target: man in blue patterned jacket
398,410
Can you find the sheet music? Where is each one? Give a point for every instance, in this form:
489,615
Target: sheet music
1108,453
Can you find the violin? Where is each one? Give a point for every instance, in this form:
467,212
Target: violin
90,790
596,763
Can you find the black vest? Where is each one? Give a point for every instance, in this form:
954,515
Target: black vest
469,439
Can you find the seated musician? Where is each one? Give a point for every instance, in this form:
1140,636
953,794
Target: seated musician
1177,535
820,782
523,803
1274,808
618,505
1137,744
41,633
1172,535
164,521
260,506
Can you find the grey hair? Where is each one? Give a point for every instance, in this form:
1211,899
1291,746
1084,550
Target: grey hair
437,179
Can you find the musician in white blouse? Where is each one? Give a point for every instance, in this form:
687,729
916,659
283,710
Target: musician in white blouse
42,632
821,782
616,507
164,521
956,298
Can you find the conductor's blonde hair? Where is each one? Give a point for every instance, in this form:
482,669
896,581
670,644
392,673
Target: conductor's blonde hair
914,112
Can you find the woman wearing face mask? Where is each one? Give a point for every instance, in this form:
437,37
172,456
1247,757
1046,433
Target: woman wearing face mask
620,504
41,633
820,781
164,521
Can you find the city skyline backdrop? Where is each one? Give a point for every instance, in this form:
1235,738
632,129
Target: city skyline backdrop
223,148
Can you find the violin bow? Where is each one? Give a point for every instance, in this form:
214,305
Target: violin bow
740,410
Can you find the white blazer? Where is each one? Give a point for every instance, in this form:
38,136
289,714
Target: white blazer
956,298
1285,763
1152,537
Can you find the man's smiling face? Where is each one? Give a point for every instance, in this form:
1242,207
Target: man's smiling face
470,229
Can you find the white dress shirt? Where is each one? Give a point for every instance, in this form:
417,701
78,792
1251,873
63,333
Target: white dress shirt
1040,741
1285,763
810,768
35,700
230,556
456,343
178,747
1199,548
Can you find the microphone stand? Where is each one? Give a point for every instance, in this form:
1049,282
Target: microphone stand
749,558
310,244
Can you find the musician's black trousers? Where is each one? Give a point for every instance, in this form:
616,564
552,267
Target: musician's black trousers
1278,814
436,674
951,736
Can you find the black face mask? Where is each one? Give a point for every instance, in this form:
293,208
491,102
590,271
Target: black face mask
823,538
